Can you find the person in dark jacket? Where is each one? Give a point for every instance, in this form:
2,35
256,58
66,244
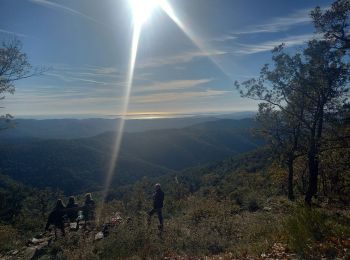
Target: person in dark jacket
89,208
72,209
56,217
158,199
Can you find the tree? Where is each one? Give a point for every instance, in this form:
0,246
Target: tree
304,90
14,65
328,78
334,23
283,135
282,111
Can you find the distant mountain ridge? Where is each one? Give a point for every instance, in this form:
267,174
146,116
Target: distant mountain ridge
78,165
80,128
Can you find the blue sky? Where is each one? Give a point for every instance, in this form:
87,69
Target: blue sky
86,45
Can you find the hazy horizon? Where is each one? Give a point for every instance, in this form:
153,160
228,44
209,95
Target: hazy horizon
143,116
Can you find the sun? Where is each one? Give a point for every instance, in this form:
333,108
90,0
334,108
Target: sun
142,10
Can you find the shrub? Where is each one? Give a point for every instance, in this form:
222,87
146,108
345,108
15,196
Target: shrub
305,227
237,197
9,238
253,205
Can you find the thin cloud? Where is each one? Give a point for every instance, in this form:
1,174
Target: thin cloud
106,70
93,71
87,74
13,33
59,98
178,96
171,85
51,93
66,9
291,41
69,78
278,24
177,59
224,38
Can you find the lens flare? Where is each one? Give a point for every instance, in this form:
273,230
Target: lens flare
142,10
141,13
123,115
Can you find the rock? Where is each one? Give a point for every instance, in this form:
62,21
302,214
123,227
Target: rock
73,226
28,253
13,252
36,241
39,236
32,252
99,235
40,249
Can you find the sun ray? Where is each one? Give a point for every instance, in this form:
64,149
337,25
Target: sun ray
124,112
141,11
167,8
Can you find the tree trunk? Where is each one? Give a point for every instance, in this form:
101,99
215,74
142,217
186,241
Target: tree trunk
290,180
313,154
313,175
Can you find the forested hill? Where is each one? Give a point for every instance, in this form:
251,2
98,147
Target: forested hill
78,165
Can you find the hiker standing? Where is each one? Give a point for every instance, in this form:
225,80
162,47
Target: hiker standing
89,208
158,198
56,218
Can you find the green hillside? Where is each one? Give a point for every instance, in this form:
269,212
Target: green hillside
61,164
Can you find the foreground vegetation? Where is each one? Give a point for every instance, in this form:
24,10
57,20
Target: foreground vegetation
233,208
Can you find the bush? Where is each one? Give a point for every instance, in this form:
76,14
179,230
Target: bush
253,205
305,227
9,238
237,197
133,238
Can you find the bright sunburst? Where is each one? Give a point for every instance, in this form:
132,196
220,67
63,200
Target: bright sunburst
142,10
